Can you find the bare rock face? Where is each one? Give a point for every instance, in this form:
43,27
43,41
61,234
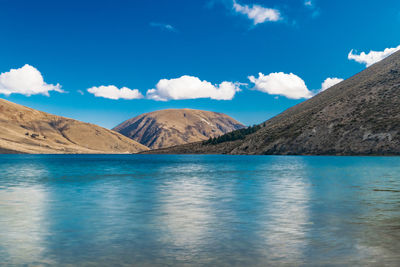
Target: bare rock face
25,130
172,127
359,116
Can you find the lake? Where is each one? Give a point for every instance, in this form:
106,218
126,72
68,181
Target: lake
214,210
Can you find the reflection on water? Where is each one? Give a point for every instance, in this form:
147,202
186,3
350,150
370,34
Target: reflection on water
22,216
287,211
199,210
186,208
22,224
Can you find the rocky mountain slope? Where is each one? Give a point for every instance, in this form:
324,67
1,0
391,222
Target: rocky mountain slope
25,130
359,116
172,127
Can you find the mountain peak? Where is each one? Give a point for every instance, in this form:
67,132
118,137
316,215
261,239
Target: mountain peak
170,127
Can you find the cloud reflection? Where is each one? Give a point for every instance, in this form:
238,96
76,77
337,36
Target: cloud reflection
22,228
286,213
187,212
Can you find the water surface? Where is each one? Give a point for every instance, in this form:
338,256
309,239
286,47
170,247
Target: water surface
157,210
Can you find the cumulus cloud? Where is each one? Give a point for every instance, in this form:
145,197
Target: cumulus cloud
112,92
329,82
189,87
257,13
163,26
279,83
26,81
373,56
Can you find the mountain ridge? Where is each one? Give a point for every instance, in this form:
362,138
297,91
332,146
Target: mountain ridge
359,116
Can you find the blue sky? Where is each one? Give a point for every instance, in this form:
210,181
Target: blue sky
144,45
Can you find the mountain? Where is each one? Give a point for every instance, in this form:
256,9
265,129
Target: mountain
359,116
25,130
170,127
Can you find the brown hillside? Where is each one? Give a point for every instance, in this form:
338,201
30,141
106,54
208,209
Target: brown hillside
171,127
359,116
25,130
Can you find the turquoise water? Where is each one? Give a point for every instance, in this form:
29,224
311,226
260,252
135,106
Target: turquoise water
157,210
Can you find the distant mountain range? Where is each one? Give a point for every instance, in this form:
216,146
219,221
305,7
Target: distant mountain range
25,130
165,128
359,116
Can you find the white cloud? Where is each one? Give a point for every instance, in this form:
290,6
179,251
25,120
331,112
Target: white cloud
26,81
329,82
163,26
112,92
308,3
279,83
311,5
189,87
373,56
257,13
